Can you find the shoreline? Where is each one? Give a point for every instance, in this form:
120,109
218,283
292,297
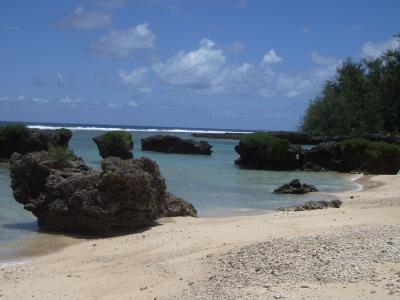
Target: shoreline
177,258
23,251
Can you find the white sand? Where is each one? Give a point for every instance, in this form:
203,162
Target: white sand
177,257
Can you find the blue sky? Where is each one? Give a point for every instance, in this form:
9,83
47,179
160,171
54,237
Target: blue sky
244,64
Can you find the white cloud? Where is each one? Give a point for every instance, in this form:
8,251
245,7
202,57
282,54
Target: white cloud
82,19
136,77
70,100
133,104
40,100
123,43
376,49
323,60
271,57
198,69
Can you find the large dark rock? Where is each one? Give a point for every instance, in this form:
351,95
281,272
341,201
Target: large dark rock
312,205
174,144
355,155
115,143
20,139
123,195
295,187
265,152
177,207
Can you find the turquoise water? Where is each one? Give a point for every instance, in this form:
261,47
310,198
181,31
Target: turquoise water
212,183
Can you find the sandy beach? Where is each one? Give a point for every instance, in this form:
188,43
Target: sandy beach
348,253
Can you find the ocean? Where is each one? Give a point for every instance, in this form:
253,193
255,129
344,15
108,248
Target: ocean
215,186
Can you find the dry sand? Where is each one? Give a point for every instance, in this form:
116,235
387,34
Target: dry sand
188,258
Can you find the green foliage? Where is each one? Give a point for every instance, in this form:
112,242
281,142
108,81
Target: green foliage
363,97
14,131
373,153
261,140
117,140
61,155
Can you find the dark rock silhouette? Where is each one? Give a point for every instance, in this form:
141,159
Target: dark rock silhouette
20,139
295,187
124,195
115,143
174,144
311,205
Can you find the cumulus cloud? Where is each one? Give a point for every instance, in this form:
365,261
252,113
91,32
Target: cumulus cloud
271,57
123,43
136,77
82,19
371,49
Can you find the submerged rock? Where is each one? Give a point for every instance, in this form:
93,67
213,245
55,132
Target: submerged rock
311,205
21,139
295,187
177,207
174,144
115,143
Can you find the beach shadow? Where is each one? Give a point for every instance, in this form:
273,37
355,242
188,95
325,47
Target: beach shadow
33,227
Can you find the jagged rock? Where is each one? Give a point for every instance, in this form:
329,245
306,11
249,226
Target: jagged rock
124,195
115,143
20,139
295,187
174,144
177,207
355,155
265,152
311,205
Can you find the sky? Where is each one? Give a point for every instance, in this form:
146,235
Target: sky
238,64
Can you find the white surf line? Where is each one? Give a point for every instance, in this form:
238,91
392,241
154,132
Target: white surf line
9,264
359,187
92,128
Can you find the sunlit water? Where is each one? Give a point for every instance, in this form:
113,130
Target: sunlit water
212,183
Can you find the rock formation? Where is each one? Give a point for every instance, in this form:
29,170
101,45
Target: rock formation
124,195
177,207
265,152
311,205
115,143
295,187
20,139
174,144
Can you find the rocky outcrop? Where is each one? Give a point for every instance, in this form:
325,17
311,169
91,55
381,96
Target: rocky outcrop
311,205
264,152
20,139
115,143
174,144
123,195
295,187
177,207
354,155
